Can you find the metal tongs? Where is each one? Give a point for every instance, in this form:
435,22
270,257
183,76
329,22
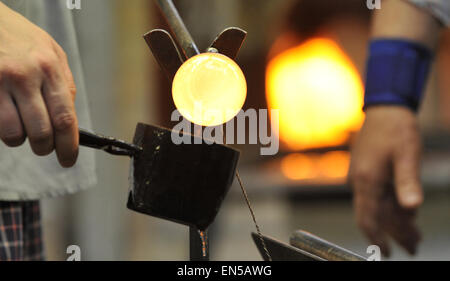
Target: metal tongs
108,144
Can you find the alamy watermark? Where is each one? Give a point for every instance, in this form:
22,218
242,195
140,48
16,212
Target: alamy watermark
73,4
373,4
74,252
375,253
258,130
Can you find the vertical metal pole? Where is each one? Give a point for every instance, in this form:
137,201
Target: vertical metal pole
177,26
199,245
198,240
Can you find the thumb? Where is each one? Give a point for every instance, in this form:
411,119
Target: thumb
406,175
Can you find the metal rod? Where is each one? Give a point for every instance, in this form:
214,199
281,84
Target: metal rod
198,245
322,248
182,35
107,144
198,240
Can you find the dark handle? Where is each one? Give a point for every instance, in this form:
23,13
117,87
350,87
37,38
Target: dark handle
107,144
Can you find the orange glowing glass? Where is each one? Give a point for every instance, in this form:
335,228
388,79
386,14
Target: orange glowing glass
318,92
209,89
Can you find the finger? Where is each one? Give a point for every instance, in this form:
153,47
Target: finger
367,220
11,129
399,224
406,234
63,117
366,178
66,69
406,174
35,118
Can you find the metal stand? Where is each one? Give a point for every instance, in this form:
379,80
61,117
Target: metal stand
198,245
170,59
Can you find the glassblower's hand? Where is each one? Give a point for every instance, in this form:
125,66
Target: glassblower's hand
37,90
384,174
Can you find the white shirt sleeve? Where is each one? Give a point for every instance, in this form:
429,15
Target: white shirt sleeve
439,8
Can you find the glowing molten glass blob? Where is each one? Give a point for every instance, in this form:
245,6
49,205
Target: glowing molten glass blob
318,92
209,89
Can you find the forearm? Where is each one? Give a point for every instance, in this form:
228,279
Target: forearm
385,165
400,19
3,12
3,9
400,54
7,15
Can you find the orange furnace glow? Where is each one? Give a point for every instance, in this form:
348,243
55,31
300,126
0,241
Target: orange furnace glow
318,92
329,165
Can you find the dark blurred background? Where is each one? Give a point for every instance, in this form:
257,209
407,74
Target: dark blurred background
303,186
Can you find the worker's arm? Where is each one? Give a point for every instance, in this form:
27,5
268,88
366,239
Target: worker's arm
37,91
385,162
401,19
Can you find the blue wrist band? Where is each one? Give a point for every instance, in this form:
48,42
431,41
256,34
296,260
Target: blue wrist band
397,72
